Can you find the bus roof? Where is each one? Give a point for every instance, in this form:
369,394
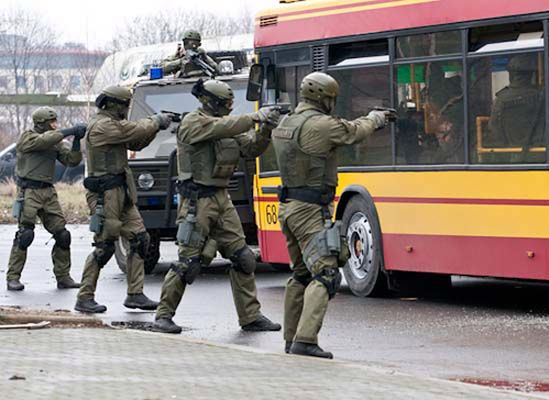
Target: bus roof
311,20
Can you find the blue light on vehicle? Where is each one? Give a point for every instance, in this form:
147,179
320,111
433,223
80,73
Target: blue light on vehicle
153,201
156,73
175,199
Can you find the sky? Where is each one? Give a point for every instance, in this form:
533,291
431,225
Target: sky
94,22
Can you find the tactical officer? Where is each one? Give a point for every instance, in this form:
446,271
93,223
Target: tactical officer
191,60
37,150
112,196
305,143
518,111
209,146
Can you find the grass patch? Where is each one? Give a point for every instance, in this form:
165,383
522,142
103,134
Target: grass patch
71,196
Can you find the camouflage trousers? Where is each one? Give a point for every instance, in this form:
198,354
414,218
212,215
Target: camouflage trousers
217,219
121,219
305,305
44,204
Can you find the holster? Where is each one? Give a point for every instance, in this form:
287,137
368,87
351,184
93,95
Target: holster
18,204
188,233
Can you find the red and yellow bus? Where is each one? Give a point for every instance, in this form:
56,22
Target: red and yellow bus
460,184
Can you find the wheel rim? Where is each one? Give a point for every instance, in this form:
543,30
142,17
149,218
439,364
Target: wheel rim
361,245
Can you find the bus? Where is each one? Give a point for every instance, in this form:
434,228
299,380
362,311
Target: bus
459,184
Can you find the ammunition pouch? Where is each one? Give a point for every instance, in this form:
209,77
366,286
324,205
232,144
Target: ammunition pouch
331,279
227,154
324,244
193,266
322,197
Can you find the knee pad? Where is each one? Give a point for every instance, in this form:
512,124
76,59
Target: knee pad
303,279
63,239
244,260
331,279
187,269
24,238
140,244
103,252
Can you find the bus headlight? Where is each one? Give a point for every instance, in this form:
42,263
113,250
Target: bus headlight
145,181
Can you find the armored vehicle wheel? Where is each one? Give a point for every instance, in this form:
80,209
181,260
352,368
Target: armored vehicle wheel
151,259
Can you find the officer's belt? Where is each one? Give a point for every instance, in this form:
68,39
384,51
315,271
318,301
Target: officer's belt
307,195
189,188
25,183
100,184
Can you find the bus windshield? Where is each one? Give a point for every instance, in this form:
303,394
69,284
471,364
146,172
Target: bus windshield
152,99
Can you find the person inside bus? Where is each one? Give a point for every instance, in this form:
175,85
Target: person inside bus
517,118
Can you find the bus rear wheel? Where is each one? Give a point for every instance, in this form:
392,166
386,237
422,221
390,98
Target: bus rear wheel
363,272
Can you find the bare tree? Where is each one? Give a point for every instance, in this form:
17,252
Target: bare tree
169,26
24,36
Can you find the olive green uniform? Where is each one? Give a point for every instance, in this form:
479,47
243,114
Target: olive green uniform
182,65
208,150
36,156
108,140
305,143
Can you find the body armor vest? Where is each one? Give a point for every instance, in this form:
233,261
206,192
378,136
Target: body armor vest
37,165
298,168
111,159
209,163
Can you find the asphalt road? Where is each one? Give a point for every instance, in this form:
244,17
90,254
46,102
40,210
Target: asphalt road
488,330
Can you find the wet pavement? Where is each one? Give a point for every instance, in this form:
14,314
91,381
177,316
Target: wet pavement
483,331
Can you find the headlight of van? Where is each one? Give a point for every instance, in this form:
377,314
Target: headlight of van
145,181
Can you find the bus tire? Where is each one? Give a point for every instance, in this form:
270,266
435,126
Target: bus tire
364,270
122,245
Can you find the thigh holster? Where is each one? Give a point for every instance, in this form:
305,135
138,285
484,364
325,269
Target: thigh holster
325,243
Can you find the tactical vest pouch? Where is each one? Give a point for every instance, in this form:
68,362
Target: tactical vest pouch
325,243
227,154
188,234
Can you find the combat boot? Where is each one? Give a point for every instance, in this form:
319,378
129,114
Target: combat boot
89,306
309,349
67,283
165,325
261,324
14,284
140,301
287,347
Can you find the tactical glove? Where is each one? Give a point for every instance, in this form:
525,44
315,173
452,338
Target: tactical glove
267,115
78,131
381,118
163,119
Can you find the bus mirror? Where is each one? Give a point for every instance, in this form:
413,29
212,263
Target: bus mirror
255,83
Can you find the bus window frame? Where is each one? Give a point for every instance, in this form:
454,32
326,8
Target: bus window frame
465,57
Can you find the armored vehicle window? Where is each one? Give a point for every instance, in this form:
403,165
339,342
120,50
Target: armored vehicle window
149,100
361,90
507,109
430,127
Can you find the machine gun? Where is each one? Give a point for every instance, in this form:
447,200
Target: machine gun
195,58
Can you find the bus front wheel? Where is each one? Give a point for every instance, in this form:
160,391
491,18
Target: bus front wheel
363,272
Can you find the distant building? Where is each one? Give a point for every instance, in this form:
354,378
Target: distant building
69,69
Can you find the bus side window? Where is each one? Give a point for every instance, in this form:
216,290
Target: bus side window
507,108
430,102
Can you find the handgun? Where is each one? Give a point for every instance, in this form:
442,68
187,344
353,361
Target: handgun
283,108
393,114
